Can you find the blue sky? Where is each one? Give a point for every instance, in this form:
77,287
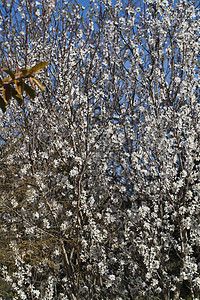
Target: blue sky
84,2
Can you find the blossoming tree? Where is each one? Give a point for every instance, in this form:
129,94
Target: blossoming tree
100,177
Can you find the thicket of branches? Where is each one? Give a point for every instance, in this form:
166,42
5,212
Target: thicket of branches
99,177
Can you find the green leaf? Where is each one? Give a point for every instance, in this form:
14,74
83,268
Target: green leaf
19,100
37,67
16,92
18,75
31,81
26,72
19,86
7,92
11,73
6,80
2,104
17,96
29,91
39,84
